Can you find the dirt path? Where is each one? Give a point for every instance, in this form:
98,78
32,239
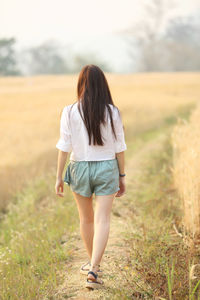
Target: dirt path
113,264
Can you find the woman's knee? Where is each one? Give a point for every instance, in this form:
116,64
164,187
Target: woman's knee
86,220
102,217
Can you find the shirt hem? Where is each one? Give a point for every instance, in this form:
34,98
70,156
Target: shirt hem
93,159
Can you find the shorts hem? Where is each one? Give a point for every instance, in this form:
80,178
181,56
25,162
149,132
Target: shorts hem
97,194
84,195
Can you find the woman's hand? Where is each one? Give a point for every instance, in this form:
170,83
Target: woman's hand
59,186
122,187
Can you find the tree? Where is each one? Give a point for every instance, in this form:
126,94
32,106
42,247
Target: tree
164,44
81,60
8,64
46,59
146,35
182,36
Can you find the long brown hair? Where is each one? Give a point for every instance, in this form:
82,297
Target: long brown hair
93,97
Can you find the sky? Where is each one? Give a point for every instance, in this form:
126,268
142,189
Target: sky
84,25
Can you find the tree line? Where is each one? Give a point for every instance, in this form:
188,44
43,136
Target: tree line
152,46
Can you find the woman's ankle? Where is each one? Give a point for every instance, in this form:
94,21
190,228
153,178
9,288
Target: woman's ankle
94,268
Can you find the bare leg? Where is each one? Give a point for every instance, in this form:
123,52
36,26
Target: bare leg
86,215
102,228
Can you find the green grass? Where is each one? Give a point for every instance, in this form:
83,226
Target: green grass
32,247
158,260
135,140
36,232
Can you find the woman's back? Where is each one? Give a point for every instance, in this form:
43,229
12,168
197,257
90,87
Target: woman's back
74,136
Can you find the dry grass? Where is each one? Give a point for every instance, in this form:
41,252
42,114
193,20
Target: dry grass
30,107
186,143
30,111
37,242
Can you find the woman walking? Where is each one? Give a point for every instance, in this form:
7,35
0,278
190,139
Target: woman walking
92,130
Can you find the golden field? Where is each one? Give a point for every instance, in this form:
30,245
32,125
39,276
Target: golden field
40,246
31,106
186,145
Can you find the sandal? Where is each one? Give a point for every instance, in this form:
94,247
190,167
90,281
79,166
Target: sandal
85,268
93,283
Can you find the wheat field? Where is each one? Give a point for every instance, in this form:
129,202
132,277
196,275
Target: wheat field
41,250
186,145
31,106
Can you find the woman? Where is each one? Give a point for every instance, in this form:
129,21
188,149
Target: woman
92,130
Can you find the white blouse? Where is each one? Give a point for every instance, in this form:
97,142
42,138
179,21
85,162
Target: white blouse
74,136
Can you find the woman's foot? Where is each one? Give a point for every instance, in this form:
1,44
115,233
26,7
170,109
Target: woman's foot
93,282
85,268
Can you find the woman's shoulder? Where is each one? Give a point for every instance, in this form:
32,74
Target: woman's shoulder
114,107
115,110
66,110
69,107
74,104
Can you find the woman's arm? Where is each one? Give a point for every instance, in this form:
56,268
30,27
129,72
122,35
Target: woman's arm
64,146
62,157
120,147
121,164
121,161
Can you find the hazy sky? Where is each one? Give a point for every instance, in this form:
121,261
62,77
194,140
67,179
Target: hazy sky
84,24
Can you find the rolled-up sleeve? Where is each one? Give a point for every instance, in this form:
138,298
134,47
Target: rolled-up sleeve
64,143
120,144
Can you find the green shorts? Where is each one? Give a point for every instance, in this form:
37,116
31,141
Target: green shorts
88,177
